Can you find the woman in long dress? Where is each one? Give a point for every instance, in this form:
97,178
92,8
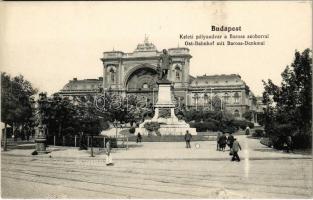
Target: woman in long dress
108,158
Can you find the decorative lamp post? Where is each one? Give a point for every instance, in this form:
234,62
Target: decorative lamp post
196,97
153,96
115,123
40,135
211,99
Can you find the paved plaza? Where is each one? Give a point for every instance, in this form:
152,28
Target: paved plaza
158,170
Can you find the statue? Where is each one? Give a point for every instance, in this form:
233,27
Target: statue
165,62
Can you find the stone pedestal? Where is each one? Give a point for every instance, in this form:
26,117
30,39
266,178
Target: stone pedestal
169,125
40,140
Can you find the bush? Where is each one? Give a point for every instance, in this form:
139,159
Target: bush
204,126
279,133
132,130
302,141
152,126
104,124
258,133
251,125
229,129
242,124
266,142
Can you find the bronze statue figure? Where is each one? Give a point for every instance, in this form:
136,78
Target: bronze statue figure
164,66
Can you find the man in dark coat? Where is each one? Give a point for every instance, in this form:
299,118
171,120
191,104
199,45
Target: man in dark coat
235,149
218,141
289,143
230,141
223,141
188,137
138,137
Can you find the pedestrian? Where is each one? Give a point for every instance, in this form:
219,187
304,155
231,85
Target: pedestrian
230,141
247,130
138,137
223,141
235,149
108,156
82,142
289,143
217,141
188,137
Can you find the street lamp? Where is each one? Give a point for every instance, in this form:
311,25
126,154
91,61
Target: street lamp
153,96
196,99
115,123
211,99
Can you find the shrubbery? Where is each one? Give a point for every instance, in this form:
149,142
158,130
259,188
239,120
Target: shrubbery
205,126
242,124
279,133
288,106
132,130
152,127
223,125
258,133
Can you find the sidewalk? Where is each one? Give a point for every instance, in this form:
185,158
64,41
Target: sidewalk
201,150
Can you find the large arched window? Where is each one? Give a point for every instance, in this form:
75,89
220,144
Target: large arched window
112,71
236,113
177,75
226,97
178,71
236,97
112,77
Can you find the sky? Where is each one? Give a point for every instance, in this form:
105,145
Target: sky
50,43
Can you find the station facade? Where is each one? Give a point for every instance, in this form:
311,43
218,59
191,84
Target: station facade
135,73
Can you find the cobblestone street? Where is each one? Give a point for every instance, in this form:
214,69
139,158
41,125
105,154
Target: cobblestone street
158,170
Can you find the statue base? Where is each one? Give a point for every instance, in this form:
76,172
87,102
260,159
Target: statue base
169,123
40,140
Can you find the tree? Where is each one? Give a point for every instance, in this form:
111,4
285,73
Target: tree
114,107
16,102
290,105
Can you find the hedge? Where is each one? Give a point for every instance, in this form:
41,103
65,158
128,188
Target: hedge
242,124
204,126
258,133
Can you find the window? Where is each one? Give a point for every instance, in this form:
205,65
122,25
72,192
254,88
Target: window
145,86
236,113
226,97
111,69
177,75
236,97
205,98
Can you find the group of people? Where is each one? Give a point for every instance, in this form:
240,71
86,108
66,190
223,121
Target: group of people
222,140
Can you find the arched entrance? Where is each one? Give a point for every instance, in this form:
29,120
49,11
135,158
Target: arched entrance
142,83
142,79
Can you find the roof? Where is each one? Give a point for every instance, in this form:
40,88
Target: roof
223,79
85,84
